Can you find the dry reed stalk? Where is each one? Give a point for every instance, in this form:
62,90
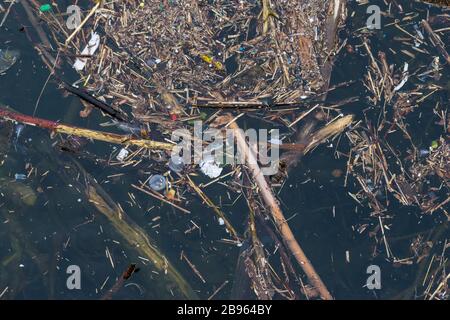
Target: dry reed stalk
277,214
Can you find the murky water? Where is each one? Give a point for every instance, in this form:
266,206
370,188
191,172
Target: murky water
53,225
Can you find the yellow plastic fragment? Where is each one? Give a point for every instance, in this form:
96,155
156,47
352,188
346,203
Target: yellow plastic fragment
218,65
210,60
206,58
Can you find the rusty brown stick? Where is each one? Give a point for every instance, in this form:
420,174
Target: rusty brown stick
81,132
120,282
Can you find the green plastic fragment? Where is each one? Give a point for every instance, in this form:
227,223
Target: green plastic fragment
45,7
434,144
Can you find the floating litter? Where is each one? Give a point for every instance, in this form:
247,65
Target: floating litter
122,154
209,167
157,182
20,176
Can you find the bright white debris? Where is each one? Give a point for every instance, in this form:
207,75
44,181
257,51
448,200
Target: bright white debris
89,50
405,77
122,154
209,167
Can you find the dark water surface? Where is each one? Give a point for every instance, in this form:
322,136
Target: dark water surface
39,241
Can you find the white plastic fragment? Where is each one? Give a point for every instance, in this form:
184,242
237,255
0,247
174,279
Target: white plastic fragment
405,77
122,154
209,167
221,222
89,50
401,84
405,67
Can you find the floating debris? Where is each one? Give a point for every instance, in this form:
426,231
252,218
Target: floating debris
20,176
8,57
123,153
89,50
209,167
18,129
157,182
160,69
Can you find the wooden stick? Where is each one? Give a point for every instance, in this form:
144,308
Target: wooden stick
103,106
83,22
216,209
135,236
277,214
436,41
119,283
34,22
333,128
7,13
265,15
231,104
159,197
81,132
